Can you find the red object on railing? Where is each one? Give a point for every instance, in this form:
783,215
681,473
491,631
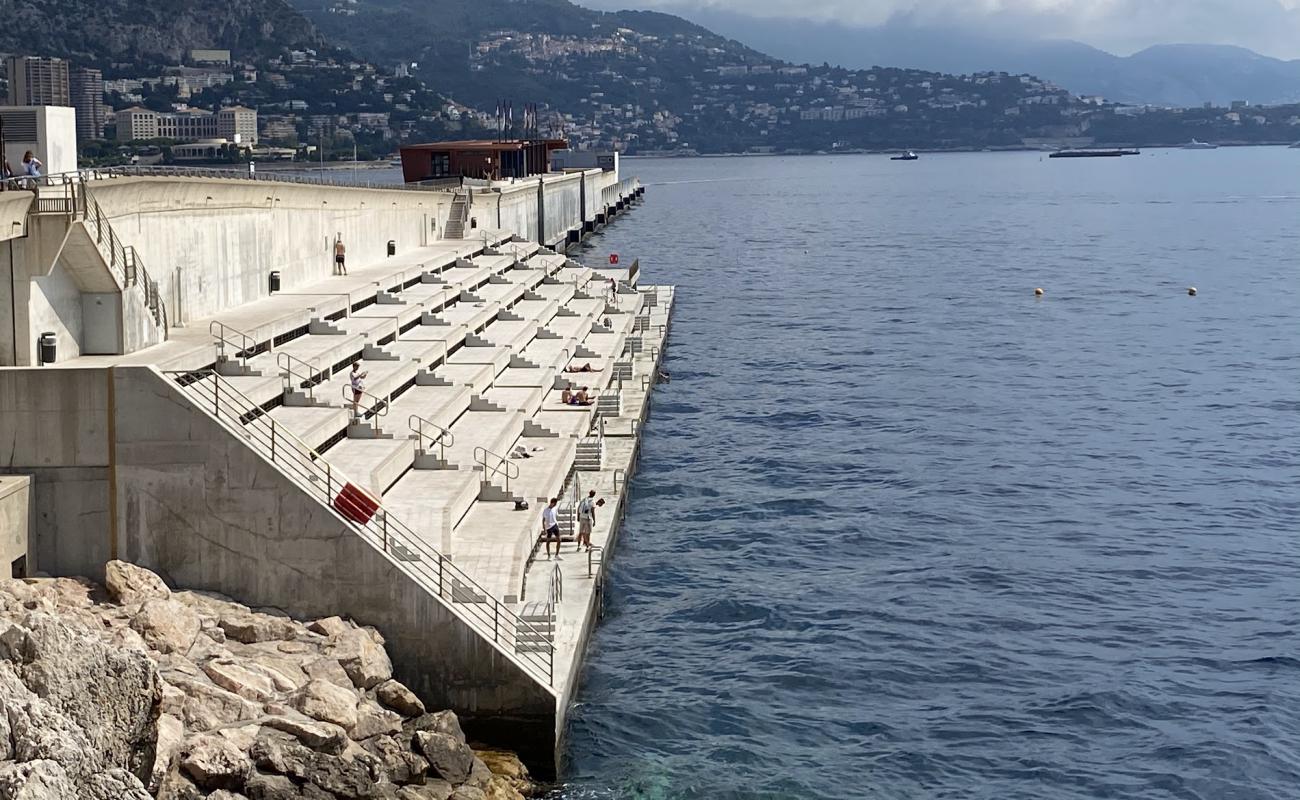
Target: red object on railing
613,258
356,504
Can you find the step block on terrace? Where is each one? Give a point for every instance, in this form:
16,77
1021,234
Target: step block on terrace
375,463
610,404
432,502
590,455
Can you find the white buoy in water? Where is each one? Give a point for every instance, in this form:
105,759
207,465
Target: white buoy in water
1191,291
1038,292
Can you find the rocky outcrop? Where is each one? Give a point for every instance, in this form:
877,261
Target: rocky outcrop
137,691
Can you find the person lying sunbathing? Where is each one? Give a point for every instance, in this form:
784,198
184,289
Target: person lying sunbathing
584,368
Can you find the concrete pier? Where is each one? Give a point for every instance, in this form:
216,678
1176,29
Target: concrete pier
229,451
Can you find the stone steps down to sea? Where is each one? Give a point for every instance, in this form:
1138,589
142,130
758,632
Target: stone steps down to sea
133,691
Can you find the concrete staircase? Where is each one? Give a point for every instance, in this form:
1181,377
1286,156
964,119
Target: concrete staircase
455,228
460,422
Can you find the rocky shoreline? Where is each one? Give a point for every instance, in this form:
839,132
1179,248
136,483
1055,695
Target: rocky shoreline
134,691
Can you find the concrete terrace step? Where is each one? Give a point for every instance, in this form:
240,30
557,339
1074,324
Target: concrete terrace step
495,431
432,501
496,357
440,405
323,352
527,399
478,377
314,425
542,475
493,542
550,353
474,316
374,463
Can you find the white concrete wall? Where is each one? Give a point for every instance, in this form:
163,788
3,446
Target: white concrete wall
563,205
54,427
55,306
225,236
200,507
511,207
15,522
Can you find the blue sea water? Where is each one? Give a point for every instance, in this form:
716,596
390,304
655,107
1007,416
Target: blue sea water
901,530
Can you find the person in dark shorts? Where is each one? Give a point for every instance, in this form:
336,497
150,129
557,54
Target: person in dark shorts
340,256
551,528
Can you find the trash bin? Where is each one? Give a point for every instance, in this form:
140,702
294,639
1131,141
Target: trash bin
274,281
48,347
392,247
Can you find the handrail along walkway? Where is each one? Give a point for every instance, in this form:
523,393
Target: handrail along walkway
432,570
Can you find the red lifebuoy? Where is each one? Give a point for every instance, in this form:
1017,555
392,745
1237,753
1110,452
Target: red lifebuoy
613,258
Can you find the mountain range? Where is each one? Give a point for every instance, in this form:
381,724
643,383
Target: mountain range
1180,75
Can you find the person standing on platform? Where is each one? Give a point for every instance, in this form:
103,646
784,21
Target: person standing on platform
551,528
357,379
340,256
587,519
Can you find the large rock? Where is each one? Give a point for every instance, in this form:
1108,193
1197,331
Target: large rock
208,706
449,757
436,789
166,626
127,583
327,669
213,762
328,703
251,627
330,626
270,787
90,692
375,721
35,780
171,734
242,681
398,762
363,659
313,733
399,698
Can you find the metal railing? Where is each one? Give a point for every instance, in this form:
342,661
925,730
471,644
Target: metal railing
72,199
443,438
378,408
591,562
300,374
365,515
235,174
226,336
555,592
496,464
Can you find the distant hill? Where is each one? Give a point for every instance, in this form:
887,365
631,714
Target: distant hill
142,32
441,36
1174,75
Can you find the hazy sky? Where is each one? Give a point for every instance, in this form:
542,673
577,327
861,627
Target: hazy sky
1121,26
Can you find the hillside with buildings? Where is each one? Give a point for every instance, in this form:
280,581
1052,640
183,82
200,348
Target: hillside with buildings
258,79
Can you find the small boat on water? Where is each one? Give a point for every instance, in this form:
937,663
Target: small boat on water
1198,145
1112,153
908,156
1295,146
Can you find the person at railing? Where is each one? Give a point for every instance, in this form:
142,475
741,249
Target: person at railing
340,256
587,518
551,528
32,165
357,379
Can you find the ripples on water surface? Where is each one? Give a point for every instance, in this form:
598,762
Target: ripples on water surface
902,531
